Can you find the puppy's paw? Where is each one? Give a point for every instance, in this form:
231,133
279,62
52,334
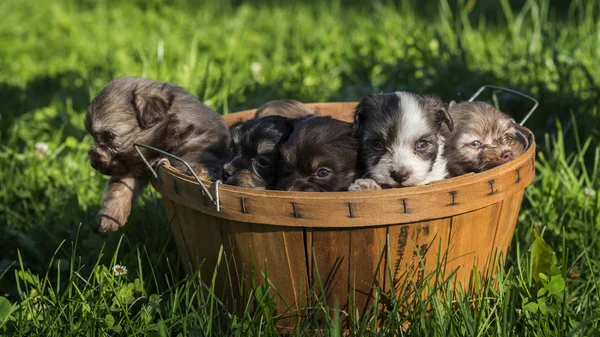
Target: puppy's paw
206,174
110,222
364,185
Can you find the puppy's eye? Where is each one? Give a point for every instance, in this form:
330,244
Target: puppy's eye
263,161
108,136
378,144
475,143
283,167
323,173
421,145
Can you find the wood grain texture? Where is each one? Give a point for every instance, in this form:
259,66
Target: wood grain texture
368,260
329,263
471,242
506,227
268,254
415,250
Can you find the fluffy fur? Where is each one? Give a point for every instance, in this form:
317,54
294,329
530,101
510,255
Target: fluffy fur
484,138
400,139
320,156
255,150
284,107
132,110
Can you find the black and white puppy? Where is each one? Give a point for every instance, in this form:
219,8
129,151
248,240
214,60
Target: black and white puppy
255,150
400,140
319,156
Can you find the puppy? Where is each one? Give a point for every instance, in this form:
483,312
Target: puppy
132,110
255,150
484,138
319,156
284,107
400,140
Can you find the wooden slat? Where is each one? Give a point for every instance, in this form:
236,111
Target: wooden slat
415,250
331,262
471,242
367,265
274,252
506,226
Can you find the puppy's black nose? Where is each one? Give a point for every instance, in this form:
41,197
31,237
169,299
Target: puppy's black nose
399,176
227,172
506,155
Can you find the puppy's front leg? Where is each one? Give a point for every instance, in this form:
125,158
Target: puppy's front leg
119,196
364,185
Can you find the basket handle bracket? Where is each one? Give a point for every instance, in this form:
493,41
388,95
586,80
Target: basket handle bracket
215,200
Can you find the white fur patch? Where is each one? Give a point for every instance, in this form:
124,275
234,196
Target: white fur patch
413,124
439,170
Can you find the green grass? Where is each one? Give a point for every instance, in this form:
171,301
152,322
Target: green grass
55,272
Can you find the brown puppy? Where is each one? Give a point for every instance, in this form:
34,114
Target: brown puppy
483,138
284,107
319,156
132,110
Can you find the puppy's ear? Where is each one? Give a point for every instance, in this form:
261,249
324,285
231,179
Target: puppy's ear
523,135
151,109
367,104
441,115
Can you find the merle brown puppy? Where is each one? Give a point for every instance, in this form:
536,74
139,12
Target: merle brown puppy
484,138
284,107
255,151
133,110
319,156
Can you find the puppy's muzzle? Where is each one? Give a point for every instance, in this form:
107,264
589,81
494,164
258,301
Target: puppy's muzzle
400,176
243,178
506,156
228,171
101,160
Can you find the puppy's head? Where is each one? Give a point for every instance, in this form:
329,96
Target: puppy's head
400,136
319,156
484,138
284,107
124,112
255,149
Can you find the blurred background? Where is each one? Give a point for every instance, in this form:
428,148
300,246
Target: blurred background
234,55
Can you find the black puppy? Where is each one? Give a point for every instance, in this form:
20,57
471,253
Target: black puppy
319,156
255,150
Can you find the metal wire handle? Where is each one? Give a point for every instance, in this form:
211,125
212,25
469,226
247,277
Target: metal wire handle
513,92
162,161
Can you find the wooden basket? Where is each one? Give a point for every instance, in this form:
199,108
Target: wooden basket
467,218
